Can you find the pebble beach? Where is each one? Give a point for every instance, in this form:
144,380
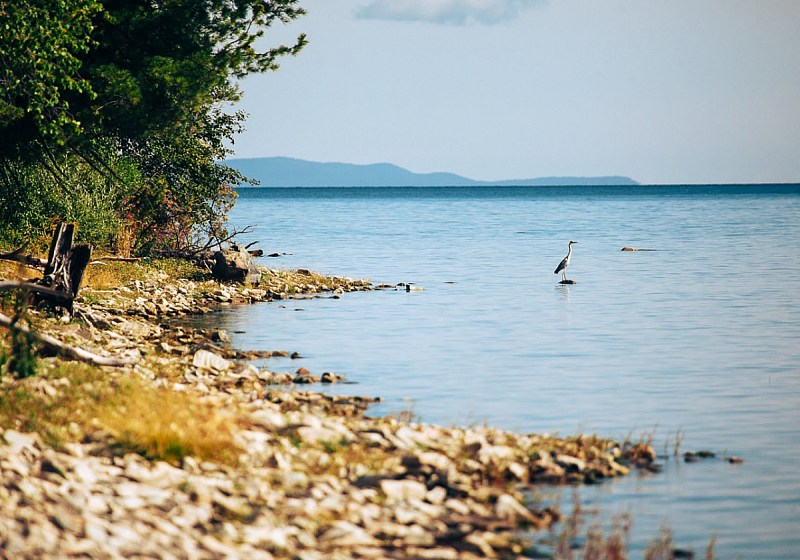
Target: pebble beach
281,471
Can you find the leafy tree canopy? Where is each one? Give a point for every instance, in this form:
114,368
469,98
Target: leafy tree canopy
132,85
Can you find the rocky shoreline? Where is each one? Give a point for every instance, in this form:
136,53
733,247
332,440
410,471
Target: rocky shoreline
307,475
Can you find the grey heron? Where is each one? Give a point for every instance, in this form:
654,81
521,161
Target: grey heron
562,266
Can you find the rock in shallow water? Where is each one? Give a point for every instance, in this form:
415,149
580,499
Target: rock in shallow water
236,264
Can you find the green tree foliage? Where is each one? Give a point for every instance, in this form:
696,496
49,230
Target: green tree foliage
41,45
127,100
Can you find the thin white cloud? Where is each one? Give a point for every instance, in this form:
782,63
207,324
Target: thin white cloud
454,12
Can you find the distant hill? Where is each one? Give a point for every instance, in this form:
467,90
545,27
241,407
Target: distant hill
290,172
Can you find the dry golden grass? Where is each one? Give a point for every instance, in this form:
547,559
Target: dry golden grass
167,425
15,271
57,403
66,401
107,275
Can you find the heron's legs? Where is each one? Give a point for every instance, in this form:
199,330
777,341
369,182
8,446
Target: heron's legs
564,274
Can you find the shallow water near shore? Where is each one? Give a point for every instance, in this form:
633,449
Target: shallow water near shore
700,335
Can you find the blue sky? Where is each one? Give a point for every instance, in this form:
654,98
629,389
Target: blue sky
679,91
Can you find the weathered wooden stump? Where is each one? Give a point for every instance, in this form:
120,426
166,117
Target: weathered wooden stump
62,273
66,264
567,282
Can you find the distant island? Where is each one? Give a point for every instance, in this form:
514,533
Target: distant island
291,172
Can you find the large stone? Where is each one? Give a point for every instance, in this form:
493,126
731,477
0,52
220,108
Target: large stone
236,264
19,442
318,434
402,490
209,360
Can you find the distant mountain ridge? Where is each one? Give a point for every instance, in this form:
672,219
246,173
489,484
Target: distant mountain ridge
291,172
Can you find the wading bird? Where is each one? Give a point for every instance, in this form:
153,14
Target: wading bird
562,266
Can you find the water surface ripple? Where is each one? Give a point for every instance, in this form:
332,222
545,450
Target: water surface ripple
700,335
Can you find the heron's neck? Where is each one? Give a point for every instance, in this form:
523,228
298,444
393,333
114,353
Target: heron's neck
569,250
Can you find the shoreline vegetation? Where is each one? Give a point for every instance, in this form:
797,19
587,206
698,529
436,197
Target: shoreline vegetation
193,452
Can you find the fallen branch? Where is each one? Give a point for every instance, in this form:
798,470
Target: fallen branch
111,258
65,350
27,260
38,288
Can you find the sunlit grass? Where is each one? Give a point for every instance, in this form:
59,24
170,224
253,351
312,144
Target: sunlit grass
168,425
15,271
108,275
68,402
177,269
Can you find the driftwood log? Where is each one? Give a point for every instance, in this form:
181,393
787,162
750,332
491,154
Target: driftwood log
29,261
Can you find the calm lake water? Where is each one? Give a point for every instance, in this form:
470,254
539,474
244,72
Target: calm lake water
700,335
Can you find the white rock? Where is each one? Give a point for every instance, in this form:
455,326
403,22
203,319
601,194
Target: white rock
417,536
30,490
457,506
95,529
246,370
569,460
18,441
187,516
124,538
97,504
311,434
438,553
436,495
436,460
310,555
272,538
17,465
344,533
518,470
209,360
214,545
508,507
403,489
150,495
162,475
495,453
432,511
43,536
336,504
266,418
480,541
231,505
